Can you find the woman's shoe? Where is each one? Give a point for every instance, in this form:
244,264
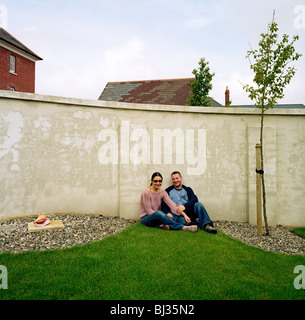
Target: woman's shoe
192,228
162,226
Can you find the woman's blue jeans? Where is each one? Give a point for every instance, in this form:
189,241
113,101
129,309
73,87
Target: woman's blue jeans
159,217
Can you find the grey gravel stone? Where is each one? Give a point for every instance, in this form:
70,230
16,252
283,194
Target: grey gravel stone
78,230
281,239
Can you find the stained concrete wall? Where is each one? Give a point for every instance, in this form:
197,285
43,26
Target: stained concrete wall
61,155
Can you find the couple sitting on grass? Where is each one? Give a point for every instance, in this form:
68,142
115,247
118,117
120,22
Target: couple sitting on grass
179,206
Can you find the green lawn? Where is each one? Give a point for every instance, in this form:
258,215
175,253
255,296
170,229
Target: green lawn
151,264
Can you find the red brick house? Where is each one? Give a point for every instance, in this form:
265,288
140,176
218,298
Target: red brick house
17,64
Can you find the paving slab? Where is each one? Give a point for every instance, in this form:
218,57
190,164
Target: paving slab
53,225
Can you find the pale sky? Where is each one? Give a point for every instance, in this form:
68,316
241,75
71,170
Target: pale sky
85,44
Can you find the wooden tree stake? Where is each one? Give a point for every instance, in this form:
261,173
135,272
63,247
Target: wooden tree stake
258,191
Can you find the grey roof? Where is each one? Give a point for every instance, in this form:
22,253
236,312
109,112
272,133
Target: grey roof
277,106
8,38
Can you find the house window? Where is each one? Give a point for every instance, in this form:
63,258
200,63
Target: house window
12,64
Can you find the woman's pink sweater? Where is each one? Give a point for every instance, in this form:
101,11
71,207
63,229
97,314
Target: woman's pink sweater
150,202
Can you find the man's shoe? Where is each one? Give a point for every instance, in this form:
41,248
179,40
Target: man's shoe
210,229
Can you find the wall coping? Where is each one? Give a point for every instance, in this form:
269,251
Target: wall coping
144,107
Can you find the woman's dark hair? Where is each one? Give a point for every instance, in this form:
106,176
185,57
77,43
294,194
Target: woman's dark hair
156,174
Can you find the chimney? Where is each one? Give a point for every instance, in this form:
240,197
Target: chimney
227,97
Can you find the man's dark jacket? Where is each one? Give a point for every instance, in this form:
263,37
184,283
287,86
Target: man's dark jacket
189,206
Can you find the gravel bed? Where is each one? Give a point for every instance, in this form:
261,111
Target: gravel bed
82,229
78,230
281,239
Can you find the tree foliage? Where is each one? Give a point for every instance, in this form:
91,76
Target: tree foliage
271,71
202,85
272,74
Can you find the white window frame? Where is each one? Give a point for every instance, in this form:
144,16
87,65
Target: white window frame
12,64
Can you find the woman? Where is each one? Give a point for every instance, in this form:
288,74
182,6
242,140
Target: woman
151,199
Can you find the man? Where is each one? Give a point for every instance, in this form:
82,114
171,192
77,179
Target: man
189,206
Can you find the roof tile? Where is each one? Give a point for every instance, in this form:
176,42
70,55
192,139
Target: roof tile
168,91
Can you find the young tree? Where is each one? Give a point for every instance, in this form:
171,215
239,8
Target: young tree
271,75
202,85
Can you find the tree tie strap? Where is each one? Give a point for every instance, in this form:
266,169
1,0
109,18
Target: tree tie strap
259,171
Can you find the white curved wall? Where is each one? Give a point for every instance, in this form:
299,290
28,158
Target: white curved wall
61,155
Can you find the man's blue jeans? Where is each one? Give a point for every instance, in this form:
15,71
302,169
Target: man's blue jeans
159,217
202,214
